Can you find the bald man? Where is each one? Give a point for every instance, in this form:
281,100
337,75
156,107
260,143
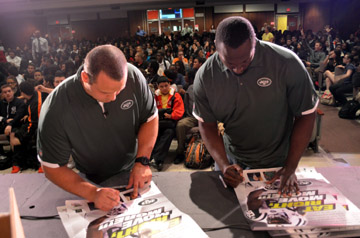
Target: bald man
104,116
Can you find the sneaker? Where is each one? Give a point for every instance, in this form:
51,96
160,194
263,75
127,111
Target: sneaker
179,158
15,169
40,171
159,166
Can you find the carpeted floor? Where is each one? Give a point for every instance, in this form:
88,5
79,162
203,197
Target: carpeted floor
339,135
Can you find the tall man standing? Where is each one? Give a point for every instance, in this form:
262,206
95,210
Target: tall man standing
40,47
263,95
106,118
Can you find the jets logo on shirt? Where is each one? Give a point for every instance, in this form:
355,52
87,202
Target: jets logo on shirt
127,104
264,82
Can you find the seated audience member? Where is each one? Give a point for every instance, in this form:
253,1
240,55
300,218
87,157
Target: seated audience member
59,77
189,121
198,62
174,78
332,60
181,58
180,68
51,82
268,36
12,110
11,80
13,59
288,45
140,63
152,77
317,55
49,66
23,138
341,84
163,63
171,109
39,78
15,72
301,52
29,73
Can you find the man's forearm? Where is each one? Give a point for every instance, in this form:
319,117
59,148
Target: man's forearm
70,181
302,130
214,143
147,137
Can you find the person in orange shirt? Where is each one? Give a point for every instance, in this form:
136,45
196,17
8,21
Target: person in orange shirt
181,58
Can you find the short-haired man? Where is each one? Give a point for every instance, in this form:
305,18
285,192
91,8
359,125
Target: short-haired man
39,47
38,77
317,56
58,78
29,73
12,110
265,98
140,63
104,117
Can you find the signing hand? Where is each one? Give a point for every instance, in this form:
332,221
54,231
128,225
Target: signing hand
139,176
233,175
106,198
288,182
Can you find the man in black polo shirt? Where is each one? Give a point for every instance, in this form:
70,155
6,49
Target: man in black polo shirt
104,117
265,98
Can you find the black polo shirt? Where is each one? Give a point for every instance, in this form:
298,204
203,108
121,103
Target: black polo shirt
257,107
73,123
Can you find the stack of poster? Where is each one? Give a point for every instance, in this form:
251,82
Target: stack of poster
149,215
318,210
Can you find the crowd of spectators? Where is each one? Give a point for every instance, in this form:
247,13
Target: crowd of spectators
168,63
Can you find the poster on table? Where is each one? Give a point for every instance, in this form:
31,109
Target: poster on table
149,215
318,207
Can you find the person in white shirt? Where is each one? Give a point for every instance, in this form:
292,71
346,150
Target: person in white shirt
163,63
13,59
40,47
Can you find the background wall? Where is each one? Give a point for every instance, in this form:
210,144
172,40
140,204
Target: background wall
342,14
17,31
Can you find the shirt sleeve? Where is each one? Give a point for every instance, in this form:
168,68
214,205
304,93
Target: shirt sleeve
301,94
53,146
202,110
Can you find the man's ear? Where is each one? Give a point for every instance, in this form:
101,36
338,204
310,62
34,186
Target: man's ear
85,77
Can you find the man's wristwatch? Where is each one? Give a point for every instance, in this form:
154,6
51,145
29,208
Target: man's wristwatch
143,160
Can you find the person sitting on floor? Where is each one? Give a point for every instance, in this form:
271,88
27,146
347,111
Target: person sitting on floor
12,110
189,121
171,109
23,138
341,84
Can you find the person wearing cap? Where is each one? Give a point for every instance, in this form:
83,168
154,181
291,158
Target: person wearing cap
265,98
171,109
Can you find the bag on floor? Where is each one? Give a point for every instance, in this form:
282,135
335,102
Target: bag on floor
348,111
197,156
327,98
5,162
